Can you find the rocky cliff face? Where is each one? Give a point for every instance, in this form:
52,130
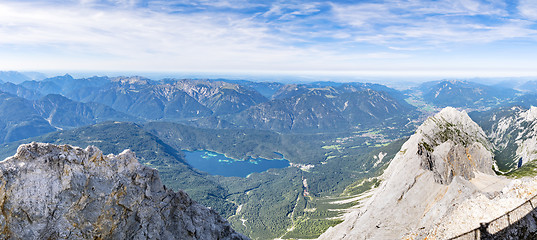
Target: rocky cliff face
63,192
451,144
513,132
446,162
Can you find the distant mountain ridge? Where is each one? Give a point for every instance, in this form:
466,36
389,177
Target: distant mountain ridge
222,103
457,93
529,86
170,99
64,84
18,77
301,108
20,91
62,112
21,118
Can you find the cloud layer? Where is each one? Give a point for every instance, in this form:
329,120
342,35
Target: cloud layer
242,35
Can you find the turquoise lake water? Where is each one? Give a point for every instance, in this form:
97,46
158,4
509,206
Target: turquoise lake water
218,164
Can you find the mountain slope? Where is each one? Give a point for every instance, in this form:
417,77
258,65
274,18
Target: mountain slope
309,111
43,87
267,89
170,99
14,77
142,98
513,131
19,120
220,97
314,109
64,85
61,192
69,84
527,100
266,199
445,163
464,94
19,90
64,113
529,86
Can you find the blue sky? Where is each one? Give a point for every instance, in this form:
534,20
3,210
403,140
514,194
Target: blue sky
441,38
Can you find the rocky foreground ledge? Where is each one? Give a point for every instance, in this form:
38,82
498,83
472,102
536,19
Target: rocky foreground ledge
63,192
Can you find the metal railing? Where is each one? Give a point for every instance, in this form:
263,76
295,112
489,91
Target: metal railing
487,229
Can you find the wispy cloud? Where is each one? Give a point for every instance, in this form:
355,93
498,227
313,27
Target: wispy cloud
431,22
131,34
289,11
203,35
528,9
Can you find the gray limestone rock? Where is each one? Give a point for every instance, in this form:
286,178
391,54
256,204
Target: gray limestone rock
434,172
63,192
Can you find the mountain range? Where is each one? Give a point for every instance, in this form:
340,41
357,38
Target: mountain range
226,103
456,93
341,140
307,108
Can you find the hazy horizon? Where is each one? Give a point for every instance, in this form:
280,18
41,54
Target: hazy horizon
400,83
306,76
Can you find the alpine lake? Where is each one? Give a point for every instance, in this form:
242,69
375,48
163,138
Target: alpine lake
218,164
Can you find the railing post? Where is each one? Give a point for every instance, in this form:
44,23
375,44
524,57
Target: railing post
484,234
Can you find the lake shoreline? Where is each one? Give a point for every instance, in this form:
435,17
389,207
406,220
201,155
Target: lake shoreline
215,163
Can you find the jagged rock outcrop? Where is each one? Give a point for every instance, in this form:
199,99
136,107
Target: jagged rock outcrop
63,192
447,161
451,144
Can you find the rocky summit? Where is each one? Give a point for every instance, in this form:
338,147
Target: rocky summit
445,166
63,192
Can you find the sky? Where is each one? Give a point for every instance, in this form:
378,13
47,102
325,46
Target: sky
392,38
